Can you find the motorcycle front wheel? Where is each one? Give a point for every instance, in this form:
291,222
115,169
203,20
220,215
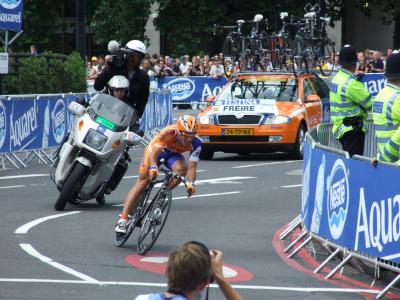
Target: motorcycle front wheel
71,186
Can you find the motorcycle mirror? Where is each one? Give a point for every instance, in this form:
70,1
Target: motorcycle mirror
132,138
76,109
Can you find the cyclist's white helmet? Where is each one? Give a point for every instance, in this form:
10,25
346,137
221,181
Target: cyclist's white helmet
119,82
137,46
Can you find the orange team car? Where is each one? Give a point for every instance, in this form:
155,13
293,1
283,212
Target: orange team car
262,112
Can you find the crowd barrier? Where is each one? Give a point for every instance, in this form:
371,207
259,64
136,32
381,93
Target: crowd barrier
31,124
348,204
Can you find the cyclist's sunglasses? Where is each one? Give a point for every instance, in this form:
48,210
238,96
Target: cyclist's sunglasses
185,133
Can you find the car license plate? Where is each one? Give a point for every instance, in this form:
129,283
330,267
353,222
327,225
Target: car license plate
237,131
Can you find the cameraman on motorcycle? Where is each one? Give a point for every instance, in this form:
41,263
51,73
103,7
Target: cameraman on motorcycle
139,82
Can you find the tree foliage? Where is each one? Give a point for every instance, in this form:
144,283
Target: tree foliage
123,20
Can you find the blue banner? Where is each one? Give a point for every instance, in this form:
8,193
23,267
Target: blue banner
353,211
158,111
192,88
374,82
11,14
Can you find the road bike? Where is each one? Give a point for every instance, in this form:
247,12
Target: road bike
151,212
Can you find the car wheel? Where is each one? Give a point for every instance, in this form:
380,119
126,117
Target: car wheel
298,149
206,154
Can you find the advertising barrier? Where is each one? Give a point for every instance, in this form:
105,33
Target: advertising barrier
357,212
29,123
191,88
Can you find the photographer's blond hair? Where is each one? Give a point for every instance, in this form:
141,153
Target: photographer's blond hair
188,267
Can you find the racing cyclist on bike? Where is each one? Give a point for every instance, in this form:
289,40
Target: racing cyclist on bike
169,145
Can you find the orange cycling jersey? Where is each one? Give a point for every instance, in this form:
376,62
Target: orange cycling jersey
168,140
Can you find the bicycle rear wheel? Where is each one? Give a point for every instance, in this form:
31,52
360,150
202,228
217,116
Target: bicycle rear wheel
154,221
139,211
327,58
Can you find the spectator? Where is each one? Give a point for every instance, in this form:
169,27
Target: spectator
168,68
153,59
176,68
217,70
91,73
185,66
377,65
94,63
350,102
160,70
206,67
101,64
34,51
195,69
362,66
189,270
148,68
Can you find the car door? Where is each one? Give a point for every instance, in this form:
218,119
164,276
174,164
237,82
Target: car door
313,108
322,90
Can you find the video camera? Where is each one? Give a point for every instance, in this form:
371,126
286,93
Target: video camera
118,54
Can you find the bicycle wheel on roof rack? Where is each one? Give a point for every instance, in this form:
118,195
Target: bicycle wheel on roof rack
230,52
327,58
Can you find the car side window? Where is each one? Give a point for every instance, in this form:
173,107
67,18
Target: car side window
320,87
307,88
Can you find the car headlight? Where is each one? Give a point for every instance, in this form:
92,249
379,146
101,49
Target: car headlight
207,120
95,140
272,120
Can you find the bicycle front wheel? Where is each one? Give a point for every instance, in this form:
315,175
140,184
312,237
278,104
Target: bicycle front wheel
154,221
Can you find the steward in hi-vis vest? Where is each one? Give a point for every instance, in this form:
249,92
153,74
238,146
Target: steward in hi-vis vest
386,113
349,102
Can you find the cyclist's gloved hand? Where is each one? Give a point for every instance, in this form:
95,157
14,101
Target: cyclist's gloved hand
153,172
190,188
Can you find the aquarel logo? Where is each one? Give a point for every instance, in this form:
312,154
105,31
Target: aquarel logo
58,120
3,124
181,88
10,4
338,198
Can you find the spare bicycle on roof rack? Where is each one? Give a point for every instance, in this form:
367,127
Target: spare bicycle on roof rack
301,44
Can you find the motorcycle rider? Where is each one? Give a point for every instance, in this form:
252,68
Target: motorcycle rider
139,82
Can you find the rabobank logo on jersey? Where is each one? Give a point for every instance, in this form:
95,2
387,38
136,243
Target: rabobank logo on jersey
3,124
10,4
338,198
58,121
181,88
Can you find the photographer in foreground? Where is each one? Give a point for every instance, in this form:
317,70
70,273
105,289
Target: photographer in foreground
190,269
126,61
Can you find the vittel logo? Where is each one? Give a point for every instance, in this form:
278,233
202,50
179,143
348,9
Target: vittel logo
338,198
58,120
3,124
181,88
10,4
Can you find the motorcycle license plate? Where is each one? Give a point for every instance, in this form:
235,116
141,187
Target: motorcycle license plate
105,123
237,131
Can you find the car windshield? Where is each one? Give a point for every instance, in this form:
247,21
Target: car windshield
113,110
276,88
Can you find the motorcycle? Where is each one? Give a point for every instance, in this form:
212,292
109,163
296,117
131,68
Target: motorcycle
97,143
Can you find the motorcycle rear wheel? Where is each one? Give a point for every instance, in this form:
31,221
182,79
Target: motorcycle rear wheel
71,187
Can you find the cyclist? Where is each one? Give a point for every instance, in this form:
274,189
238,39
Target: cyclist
169,145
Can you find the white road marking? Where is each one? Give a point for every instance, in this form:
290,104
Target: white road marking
12,186
297,172
291,186
25,228
264,164
24,176
236,286
31,251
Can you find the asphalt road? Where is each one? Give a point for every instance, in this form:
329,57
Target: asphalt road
240,204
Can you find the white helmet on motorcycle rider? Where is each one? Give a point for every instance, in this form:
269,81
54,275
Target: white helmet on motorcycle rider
137,46
118,86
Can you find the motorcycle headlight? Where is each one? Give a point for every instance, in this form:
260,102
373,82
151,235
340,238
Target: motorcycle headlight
273,120
207,120
95,140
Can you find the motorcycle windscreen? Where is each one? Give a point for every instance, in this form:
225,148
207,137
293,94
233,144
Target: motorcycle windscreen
111,112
